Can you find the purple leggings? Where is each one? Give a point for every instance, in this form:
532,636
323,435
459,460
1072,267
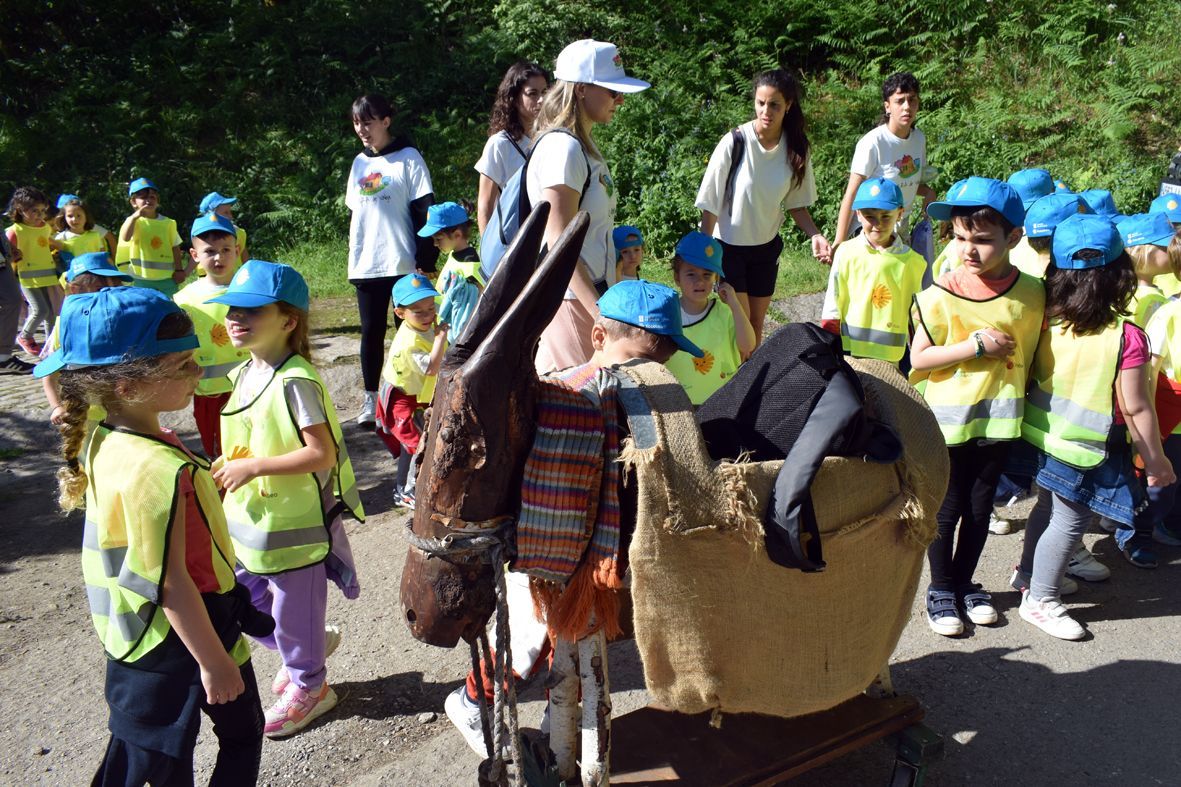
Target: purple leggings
298,601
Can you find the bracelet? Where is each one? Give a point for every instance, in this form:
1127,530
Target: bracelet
979,337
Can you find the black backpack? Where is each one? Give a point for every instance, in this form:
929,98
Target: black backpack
799,400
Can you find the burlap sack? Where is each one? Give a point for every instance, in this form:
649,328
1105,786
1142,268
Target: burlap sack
718,625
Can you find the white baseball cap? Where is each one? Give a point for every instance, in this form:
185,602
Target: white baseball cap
596,63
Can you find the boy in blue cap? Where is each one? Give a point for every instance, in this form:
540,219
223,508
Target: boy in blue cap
629,252
461,281
718,325
1031,185
408,377
224,206
975,332
149,244
1041,217
874,276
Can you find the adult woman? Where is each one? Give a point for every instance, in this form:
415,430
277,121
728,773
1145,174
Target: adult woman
774,175
568,171
388,191
518,100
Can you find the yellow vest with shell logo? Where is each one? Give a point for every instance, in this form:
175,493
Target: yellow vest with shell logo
874,302
216,354
1070,407
36,268
131,499
278,522
980,397
149,253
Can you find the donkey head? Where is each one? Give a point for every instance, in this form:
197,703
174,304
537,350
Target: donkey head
480,432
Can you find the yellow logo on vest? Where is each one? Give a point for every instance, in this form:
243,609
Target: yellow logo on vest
703,364
880,296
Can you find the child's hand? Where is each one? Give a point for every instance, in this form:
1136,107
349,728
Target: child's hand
1160,475
56,416
223,683
726,293
441,332
236,473
997,344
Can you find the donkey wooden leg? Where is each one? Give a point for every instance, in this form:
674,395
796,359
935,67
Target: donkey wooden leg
563,707
596,709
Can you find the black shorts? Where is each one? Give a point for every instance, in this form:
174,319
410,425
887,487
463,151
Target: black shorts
752,269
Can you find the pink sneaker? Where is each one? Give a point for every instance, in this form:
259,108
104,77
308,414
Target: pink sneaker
297,709
331,643
28,344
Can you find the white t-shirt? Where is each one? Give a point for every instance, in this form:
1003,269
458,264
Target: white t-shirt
501,159
379,192
880,154
763,190
558,160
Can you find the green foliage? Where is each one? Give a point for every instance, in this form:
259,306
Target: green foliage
252,99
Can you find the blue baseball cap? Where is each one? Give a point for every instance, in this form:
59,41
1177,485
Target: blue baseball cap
258,283
139,184
878,194
1049,211
1060,185
1151,229
699,249
113,325
1085,231
96,262
211,222
66,199
1100,202
981,193
1168,204
651,306
440,217
213,200
412,289
1031,184
625,236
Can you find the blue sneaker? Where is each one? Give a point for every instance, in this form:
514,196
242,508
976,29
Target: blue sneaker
942,615
1161,534
1140,557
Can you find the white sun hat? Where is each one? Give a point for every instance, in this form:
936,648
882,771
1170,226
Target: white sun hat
596,63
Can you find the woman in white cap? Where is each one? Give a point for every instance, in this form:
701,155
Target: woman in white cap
755,174
568,171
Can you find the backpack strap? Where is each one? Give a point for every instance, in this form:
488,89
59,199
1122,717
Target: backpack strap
737,150
513,142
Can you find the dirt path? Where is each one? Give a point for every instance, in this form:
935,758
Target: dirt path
1014,705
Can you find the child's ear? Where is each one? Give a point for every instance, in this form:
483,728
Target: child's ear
598,336
1015,237
193,253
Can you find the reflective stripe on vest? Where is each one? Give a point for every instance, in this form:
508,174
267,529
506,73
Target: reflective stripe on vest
150,250
874,290
1070,407
36,268
278,523
980,397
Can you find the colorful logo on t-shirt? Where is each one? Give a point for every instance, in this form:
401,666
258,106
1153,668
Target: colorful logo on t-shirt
373,183
608,183
907,166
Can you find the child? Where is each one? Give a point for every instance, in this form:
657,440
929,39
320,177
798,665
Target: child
461,281
1041,217
288,480
1088,391
1101,203
30,238
1164,336
408,377
1146,239
1170,205
76,228
215,251
88,273
149,245
10,308
1031,185
976,329
224,207
629,252
874,279
156,555
724,335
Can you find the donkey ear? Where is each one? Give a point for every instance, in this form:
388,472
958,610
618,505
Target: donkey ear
520,328
507,282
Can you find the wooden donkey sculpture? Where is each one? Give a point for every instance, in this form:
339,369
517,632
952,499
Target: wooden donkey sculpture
479,434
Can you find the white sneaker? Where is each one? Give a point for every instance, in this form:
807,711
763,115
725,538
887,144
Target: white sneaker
978,606
331,643
368,414
1020,583
999,527
1083,565
465,715
1051,617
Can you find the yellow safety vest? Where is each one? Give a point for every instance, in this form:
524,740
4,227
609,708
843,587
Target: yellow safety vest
216,354
398,370
1028,260
278,522
131,498
150,249
1070,407
1169,284
36,268
1145,301
467,270
87,243
873,296
981,397
716,335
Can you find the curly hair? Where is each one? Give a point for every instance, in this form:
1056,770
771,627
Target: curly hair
900,82
24,199
794,125
504,108
1087,301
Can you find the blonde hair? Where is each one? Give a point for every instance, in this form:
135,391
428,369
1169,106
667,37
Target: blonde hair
1175,253
1139,255
297,341
561,109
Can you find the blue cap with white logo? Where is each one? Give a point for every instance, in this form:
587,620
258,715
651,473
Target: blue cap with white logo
981,193
96,262
651,306
139,184
1051,210
412,289
1147,229
211,222
66,199
213,201
699,249
440,217
258,283
1031,185
878,194
1101,202
113,325
1169,204
1085,231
